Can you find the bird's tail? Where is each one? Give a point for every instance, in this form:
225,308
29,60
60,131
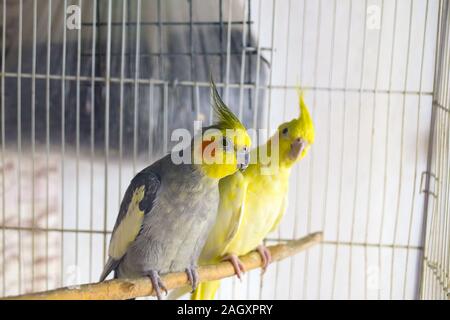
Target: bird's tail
110,265
206,290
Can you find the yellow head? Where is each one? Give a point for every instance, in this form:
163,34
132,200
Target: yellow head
225,145
296,136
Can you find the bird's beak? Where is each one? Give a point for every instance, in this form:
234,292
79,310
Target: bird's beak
243,159
296,148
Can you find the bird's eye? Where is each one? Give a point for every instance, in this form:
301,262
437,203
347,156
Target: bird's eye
285,131
226,144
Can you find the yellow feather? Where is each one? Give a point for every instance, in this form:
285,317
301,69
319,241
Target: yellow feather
222,162
224,117
206,290
129,227
306,122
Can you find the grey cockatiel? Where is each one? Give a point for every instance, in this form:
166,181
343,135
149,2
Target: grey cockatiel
168,209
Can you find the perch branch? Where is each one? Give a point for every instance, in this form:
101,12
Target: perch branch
140,287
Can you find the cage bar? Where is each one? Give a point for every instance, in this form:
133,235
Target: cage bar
93,106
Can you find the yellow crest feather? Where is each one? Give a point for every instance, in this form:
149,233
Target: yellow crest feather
305,118
224,117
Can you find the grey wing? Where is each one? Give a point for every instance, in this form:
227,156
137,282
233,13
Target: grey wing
137,202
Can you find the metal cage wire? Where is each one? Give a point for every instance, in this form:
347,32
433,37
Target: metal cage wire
84,109
435,269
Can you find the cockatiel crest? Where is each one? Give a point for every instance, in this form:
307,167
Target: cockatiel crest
305,121
225,145
224,118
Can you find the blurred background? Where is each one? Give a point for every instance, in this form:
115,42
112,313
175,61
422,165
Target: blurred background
91,91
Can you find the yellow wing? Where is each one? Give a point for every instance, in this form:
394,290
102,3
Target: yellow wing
129,227
229,216
280,215
137,201
233,191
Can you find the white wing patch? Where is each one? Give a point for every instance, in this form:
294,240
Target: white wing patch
129,227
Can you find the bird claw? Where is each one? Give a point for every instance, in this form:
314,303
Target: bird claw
192,275
265,256
157,283
238,266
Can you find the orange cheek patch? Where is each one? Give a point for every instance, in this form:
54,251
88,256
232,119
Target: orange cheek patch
205,144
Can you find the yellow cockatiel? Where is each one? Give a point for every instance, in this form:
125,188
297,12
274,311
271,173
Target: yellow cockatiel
253,202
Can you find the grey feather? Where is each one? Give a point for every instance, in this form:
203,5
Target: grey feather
110,265
176,223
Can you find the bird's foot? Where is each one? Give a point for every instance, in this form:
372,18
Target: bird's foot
157,283
237,264
265,256
192,275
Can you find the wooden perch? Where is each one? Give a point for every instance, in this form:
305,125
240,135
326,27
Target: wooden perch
131,288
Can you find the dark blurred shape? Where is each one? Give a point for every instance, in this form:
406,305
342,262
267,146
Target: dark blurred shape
179,41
